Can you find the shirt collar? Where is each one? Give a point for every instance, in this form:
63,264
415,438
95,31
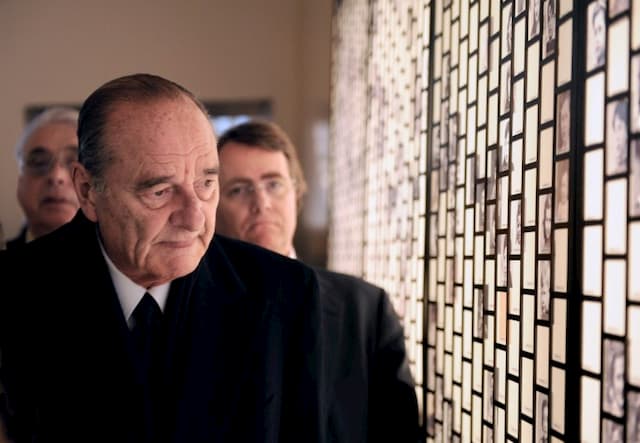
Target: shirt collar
130,293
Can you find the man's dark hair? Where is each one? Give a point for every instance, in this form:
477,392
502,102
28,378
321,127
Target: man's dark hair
95,111
270,137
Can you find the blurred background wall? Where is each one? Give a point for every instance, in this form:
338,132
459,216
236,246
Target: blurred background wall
222,50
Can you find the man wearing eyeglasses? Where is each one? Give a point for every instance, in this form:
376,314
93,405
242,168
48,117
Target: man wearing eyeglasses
371,392
45,151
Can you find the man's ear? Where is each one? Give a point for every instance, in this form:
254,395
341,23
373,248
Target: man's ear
85,189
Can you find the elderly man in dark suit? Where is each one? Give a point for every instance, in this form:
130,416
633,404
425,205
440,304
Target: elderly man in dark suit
371,391
140,325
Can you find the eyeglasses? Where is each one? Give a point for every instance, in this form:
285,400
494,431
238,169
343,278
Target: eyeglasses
245,192
40,162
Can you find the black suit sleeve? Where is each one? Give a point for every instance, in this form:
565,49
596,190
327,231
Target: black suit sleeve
393,408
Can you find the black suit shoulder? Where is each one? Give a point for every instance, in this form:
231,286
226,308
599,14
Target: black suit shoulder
372,391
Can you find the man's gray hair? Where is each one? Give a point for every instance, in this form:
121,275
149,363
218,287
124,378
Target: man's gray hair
55,114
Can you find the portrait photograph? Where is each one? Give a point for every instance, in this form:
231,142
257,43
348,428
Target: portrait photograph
596,34
548,28
491,229
542,418
616,146
502,261
634,179
503,202
505,144
534,18
614,364
480,205
507,30
562,191
617,6
563,122
544,224
515,227
491,174
633,416
544,289
635,93
505,89
478,310
612,431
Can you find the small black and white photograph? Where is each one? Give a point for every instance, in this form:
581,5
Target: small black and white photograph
515,227
634,179
542,418
544,289
478,311
544,224
614,363
596,34
505,88
633,416
548,28
617,6
563,122
635,93
534,18
503,202
491,229
617,120
505,144
562,191
483,49
491,174
612,431
507,30
480,207
502,261
446,77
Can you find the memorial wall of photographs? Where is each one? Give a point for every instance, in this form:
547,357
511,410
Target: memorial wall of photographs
379,155
610,232
486,171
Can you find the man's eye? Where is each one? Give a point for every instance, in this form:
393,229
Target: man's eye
275,185
237,191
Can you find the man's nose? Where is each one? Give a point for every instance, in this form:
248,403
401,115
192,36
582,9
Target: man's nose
260,198
189,214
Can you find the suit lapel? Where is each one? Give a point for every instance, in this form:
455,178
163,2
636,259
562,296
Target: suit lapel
217,341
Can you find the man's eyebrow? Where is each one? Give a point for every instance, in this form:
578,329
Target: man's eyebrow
151,182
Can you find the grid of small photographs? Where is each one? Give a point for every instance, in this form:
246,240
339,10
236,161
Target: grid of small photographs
498,220
381,188
610,224
480,181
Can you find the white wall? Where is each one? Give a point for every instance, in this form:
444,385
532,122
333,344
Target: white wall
59,52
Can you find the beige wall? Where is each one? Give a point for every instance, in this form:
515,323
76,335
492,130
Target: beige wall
58,52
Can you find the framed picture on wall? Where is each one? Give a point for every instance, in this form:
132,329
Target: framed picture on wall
596,34
617,124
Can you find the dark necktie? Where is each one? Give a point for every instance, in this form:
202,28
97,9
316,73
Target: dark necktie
147,340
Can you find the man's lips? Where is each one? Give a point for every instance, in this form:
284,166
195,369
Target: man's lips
57,201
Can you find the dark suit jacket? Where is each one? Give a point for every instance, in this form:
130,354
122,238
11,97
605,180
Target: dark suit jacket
19,240
243,352
372,396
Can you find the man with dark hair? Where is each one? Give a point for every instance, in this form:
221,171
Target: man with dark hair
372,396
143,326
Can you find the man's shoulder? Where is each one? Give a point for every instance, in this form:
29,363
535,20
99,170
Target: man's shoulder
334,280
256,263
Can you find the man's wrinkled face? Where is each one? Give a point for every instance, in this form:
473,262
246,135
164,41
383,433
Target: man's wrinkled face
257,197
45,190
156,213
